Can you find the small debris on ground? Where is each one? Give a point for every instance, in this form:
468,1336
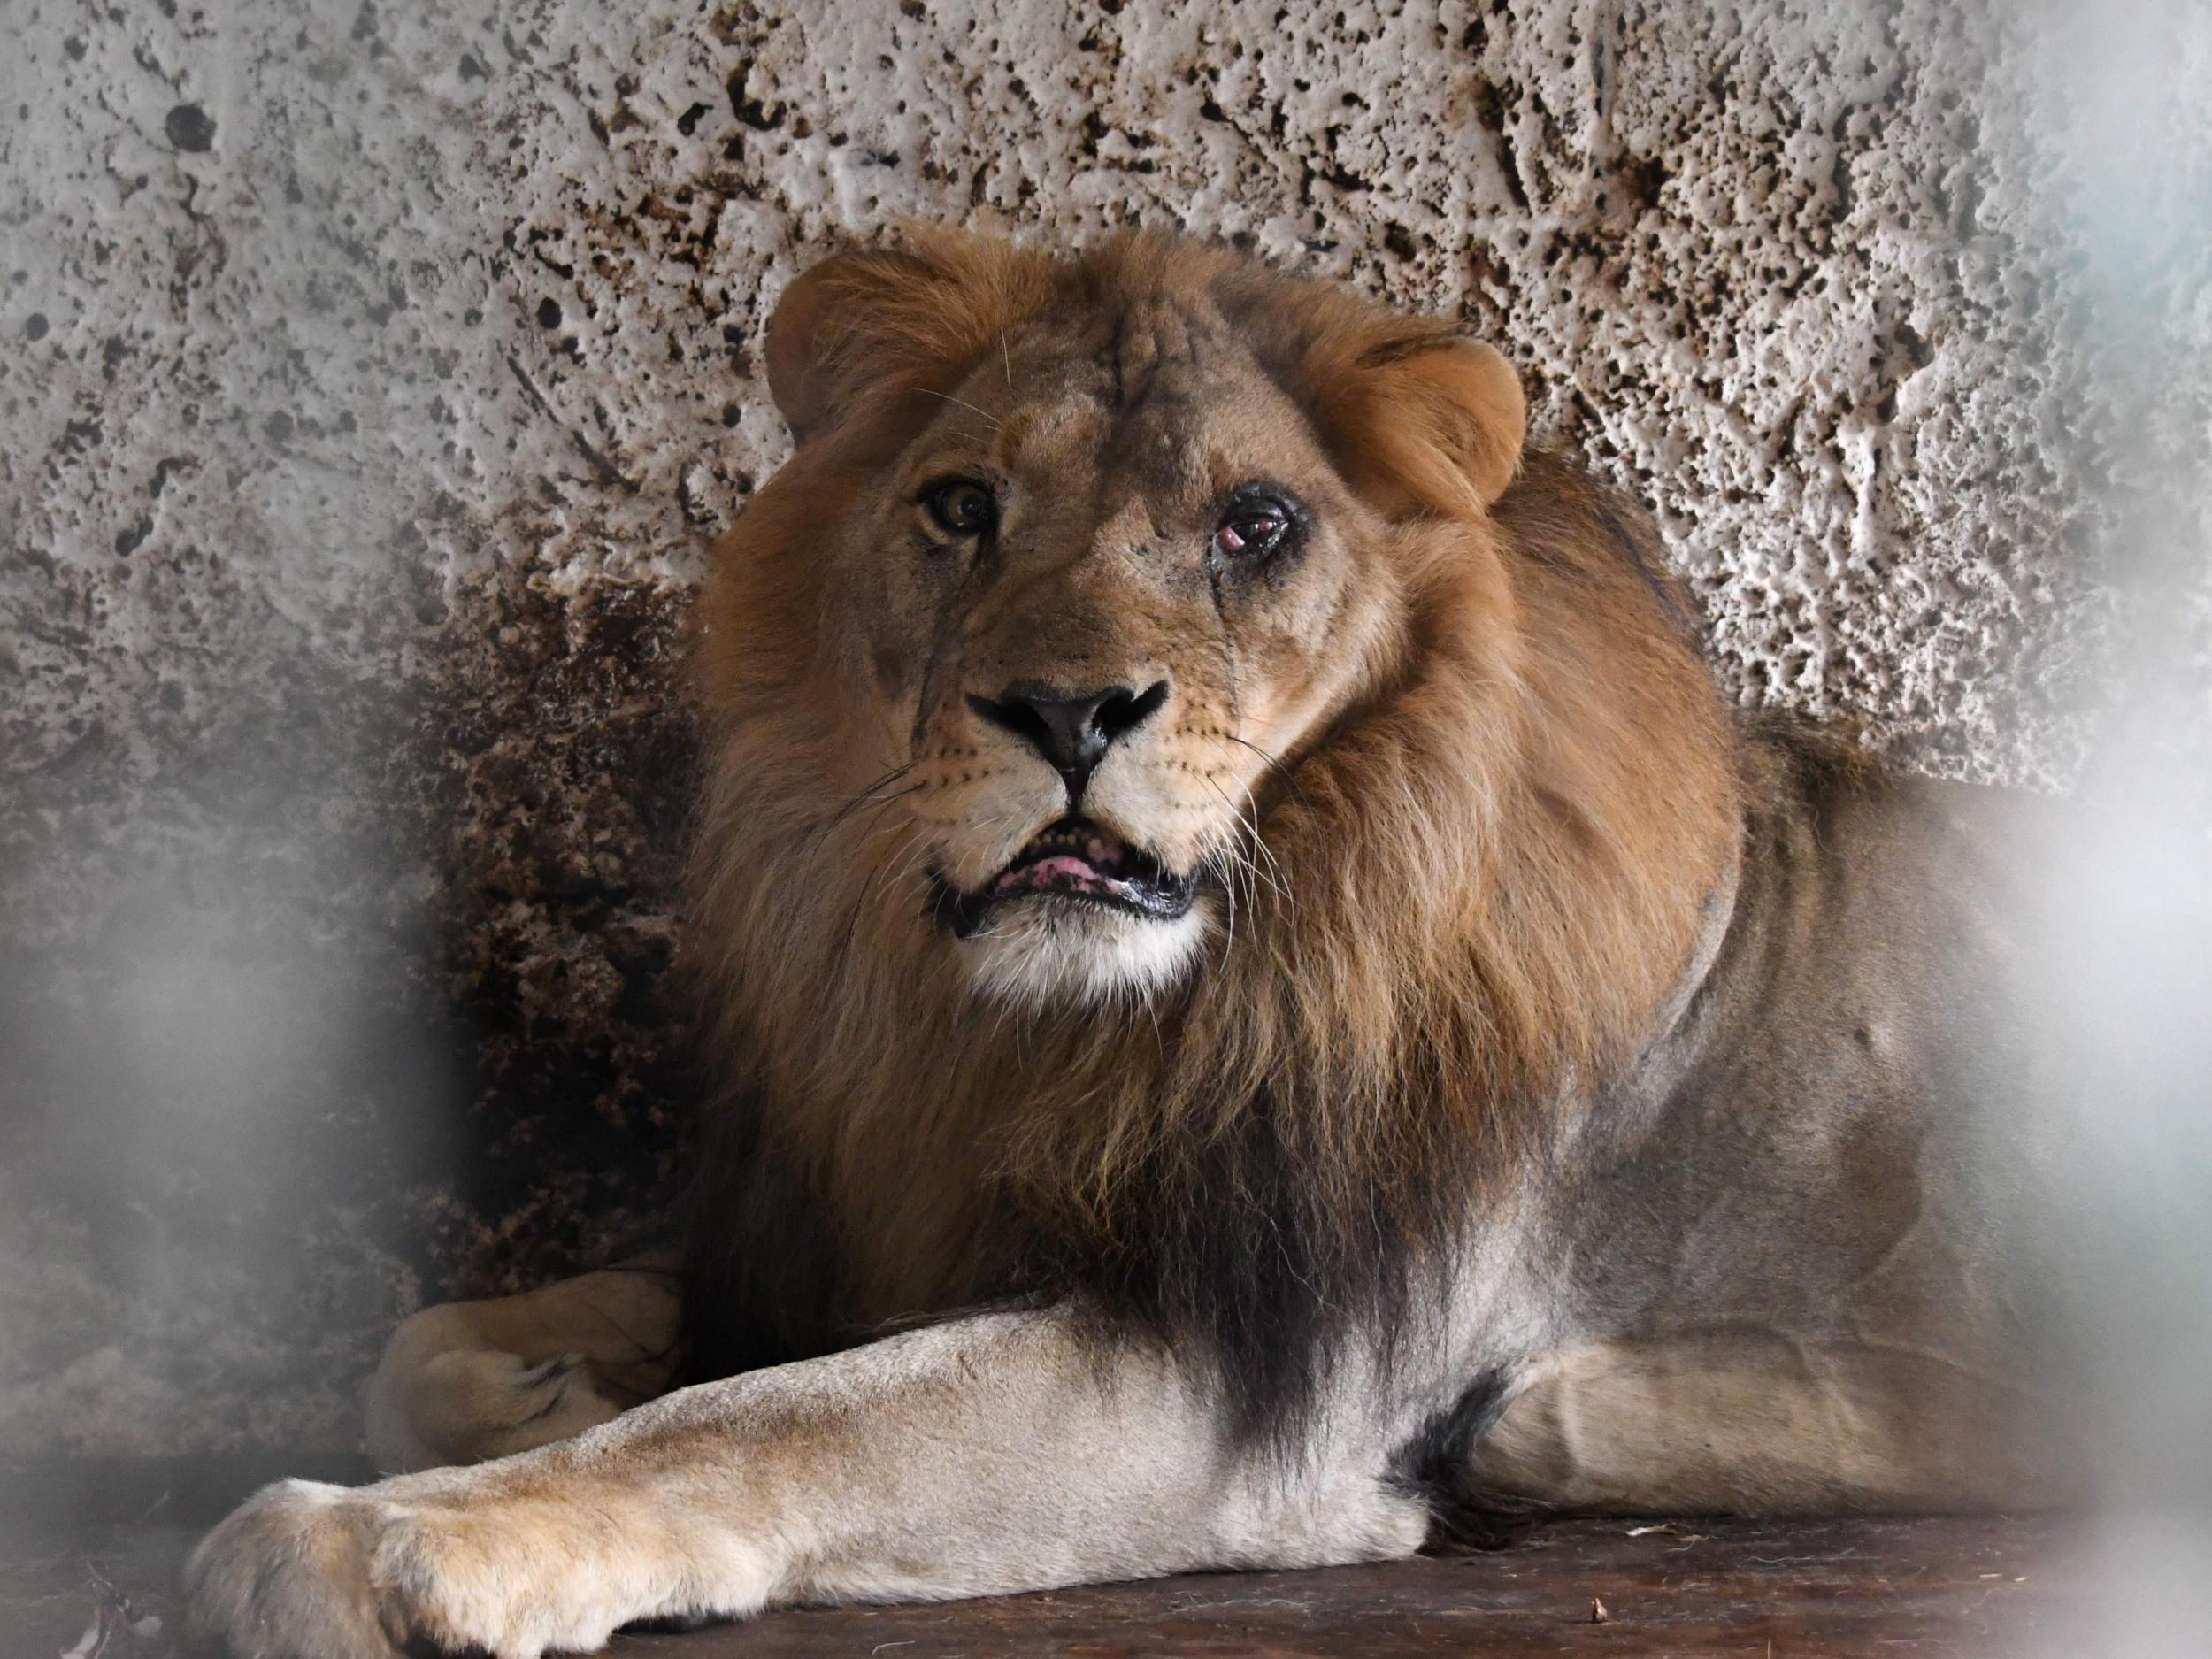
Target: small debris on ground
1668,1529
112,1611
1597,1615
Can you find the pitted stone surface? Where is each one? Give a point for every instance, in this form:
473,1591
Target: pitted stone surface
377,375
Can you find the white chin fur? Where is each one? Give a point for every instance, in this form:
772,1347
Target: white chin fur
1040,953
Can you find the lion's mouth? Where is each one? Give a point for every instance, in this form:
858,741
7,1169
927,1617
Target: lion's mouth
1072,861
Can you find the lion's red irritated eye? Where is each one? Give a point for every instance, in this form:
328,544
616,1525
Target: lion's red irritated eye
1248,535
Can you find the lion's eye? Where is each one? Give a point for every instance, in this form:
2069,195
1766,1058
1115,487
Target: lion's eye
1247,537
961,507
1253,526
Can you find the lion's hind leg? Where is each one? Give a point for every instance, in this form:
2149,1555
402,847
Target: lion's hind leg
472,1380
1744,1421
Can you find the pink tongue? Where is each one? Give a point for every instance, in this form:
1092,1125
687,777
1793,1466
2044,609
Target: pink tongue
1064,865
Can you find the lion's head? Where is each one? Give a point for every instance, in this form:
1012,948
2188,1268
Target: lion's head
1146,714
1091,560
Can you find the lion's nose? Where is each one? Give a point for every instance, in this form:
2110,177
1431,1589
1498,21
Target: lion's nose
1073,730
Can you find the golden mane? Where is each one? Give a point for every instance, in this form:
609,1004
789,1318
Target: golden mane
1480,882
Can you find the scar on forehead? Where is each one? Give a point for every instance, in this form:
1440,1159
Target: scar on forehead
1150,337
1149,368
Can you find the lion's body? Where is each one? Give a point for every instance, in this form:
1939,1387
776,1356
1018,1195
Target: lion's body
1801,1243
1493,1071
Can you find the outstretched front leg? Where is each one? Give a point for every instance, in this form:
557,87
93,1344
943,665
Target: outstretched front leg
992,1454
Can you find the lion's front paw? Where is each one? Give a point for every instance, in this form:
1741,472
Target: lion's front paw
289,1576
303,1571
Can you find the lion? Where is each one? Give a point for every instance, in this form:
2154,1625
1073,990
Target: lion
1265,1004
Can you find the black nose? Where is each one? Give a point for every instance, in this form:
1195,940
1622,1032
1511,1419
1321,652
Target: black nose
1071,729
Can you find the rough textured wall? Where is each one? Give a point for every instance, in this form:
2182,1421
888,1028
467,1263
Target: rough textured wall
376,373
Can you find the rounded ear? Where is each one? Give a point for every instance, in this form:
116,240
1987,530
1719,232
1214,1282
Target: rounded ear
1460,413
878,321
811,332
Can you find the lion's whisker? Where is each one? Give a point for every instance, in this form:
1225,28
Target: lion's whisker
1274,764
863,801
996,425
1245,827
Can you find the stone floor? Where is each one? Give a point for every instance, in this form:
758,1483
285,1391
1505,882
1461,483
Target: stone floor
70,1534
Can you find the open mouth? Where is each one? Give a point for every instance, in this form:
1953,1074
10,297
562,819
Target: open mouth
1072,861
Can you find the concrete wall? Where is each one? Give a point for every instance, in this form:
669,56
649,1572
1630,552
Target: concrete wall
373,375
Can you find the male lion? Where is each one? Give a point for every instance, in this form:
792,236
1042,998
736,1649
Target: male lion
1229,900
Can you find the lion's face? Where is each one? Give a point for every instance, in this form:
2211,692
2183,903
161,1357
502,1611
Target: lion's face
1071,570
1109,582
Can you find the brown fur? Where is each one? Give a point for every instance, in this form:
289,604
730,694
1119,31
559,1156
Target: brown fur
1487,859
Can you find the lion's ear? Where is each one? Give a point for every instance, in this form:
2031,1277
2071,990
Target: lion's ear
1455,416
820,327
878,321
